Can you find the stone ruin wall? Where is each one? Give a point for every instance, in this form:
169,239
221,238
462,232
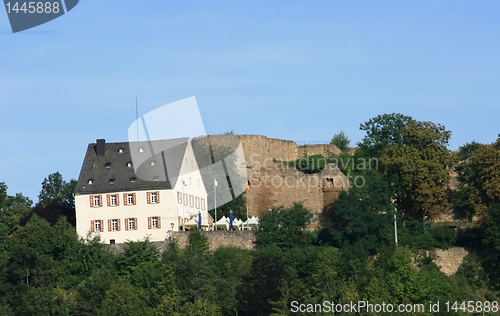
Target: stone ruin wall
243,239
448,260
275,184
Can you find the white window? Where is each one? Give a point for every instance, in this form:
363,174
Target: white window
132,224
95,200
153,197
112,199
114,224
129,199
154,222
96,226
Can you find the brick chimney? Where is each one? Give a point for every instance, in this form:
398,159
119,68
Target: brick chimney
100,147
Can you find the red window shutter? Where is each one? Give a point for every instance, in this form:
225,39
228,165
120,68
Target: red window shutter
109,225
179,197
185,197
117,199
108,199
148,197
119,224
92,227
157,196
149,222
136,223
135,201
191,200
159,222
91,201
126,223
202,204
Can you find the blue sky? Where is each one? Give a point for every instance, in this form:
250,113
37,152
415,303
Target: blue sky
297,70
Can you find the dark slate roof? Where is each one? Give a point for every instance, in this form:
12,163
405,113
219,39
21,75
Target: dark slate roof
155,163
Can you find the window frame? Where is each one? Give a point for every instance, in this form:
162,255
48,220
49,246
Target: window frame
110,225
130,220
93,225
125,199
151,222
150,195
92,200
109,199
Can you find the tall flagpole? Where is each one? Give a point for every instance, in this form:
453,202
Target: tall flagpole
183,209
395,230
137,117
247,216
215,204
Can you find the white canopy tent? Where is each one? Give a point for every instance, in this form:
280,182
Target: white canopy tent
251,223
223,223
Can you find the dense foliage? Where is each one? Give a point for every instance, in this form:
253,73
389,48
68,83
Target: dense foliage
45,269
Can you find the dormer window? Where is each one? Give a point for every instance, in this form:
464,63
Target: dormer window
129,164
108,165
141,150
120,150
152,163
90,181
111,181
156,178
94,166
132,179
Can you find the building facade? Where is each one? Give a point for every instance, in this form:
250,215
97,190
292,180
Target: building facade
136,190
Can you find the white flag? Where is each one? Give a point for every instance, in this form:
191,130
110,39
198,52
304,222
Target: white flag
215,182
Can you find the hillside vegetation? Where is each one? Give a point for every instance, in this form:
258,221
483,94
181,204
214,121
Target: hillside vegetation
45,269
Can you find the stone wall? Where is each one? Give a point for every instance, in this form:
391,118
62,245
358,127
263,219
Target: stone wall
275,184
261,151
243,239
448,260
275,187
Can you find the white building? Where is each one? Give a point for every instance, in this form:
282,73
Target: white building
129,191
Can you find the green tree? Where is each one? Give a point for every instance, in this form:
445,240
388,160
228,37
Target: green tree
341,141
262,286
195,268
460,198
56,199
285,227
362,215
123,298
230,265
55,188
418,169
137,253
310,164
383,131
13,208
485,179
491,226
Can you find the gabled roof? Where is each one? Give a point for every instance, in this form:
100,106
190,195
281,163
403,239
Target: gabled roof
130,166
